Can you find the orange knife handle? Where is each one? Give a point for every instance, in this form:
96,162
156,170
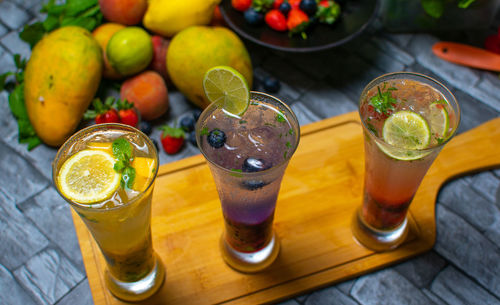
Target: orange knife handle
467,55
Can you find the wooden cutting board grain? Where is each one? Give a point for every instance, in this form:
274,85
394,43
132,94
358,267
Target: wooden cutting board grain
321,189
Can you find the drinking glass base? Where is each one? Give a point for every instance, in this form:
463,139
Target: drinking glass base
140,290
250,262
378,240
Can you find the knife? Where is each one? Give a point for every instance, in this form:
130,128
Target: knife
467,55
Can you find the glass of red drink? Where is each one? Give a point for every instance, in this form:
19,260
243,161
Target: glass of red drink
407,118
247,156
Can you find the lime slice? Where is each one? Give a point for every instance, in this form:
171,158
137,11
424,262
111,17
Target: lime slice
406,132
88,176
227,88
439,121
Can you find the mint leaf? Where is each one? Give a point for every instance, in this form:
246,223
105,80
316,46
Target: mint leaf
128,176
383,101
32,33
3,79
122,150
26,132
434,8
75,7
280,118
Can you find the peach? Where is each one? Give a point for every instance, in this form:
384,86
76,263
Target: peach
159,62
127,12
102,34
148,92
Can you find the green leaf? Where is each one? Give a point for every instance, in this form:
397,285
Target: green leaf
174,132
51,23
75,7
32,33
383,101
435,8
88,23
16,103
128,177
280,118
26,132
465,3
122,150
3,79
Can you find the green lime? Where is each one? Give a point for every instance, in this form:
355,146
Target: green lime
227,88
130,50
406,132
438,118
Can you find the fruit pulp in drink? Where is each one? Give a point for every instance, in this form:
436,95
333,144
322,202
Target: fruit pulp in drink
248,199
392,175
120,224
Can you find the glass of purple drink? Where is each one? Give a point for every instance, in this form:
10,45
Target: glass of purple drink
407,118
247,156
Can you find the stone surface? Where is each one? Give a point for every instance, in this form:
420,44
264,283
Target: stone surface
326,102
486,184
79,295
48,276
304,115
331,296
12,293
12,15
466,248
456,288
19,238
421,270
379,288
15,45
52,215
24,181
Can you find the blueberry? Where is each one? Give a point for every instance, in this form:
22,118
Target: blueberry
155,144
187,122
253,17
192,138
146,127
285,8
271,84
253,185
309,7
251,165
216,138
196,114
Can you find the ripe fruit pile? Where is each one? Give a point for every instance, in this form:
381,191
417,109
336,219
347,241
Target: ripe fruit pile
294,16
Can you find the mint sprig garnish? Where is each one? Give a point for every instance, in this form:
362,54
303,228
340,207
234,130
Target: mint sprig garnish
122,151
383,101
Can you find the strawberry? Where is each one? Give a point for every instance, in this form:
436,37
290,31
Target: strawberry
102,112
277,3
127,113
241,5
492,43
297,22
328,11
276,20
294,3
172,139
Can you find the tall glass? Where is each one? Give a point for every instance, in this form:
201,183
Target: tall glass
393,173
120,224
248,168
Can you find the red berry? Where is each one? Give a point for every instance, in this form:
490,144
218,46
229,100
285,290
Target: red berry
241,5
492,43
276,20
110,116
296,18
129,117
277,3
172,139
294,3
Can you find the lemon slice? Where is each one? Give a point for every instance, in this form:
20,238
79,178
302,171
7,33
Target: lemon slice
88,176
227,88
407,133
439,121
144,171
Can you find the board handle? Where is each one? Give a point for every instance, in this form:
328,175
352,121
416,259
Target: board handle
473,150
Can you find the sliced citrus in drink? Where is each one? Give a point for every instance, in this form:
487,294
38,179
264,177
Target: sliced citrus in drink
439,121
406,132
227,88
88,176
144,171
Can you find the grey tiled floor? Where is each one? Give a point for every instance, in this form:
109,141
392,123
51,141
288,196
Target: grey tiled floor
40,260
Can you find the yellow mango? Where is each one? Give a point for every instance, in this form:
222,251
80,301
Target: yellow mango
60,81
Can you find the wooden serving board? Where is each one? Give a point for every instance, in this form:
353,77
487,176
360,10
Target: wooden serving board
321,189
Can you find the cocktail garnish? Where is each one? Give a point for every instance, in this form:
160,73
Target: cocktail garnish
383,101
122,151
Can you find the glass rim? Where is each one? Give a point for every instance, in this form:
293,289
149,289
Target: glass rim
293,122
75,136
445,91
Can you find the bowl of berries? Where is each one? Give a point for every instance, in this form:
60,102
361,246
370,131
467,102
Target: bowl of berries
299,25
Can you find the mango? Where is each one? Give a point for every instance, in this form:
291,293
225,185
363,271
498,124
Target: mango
169,17
198,48
61,79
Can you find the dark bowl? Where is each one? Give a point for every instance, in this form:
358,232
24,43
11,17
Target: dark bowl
356,16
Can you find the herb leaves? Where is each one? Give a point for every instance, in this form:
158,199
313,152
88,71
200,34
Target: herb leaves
383,101
122,151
